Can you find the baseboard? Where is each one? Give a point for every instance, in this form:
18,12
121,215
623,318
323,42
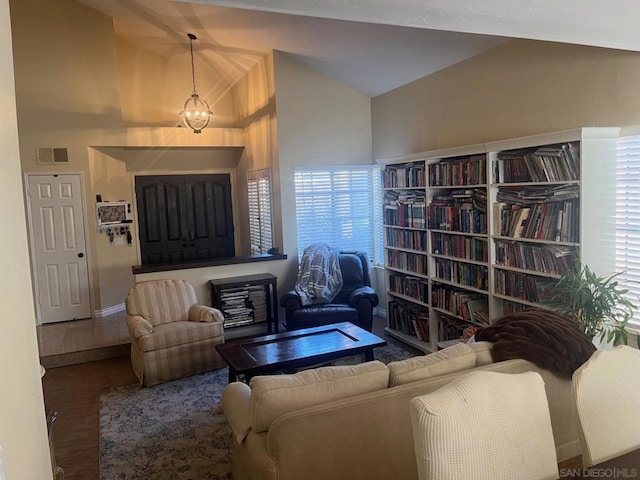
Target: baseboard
105,312
568,450
381,312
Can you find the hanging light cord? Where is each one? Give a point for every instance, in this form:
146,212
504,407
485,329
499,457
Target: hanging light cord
193,69
196,113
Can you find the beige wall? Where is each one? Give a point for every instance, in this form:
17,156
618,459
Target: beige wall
67,95
199,277
65,70
521,88
255,110
153,88
23,432
68,84
320,122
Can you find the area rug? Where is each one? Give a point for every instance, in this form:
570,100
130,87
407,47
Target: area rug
174,431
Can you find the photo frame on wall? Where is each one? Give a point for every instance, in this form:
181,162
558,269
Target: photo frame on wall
110,213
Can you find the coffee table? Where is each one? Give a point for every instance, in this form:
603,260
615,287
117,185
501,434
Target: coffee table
269,354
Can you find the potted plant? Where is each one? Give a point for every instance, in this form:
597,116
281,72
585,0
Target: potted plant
598,304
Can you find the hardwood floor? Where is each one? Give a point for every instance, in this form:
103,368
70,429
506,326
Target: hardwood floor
74,392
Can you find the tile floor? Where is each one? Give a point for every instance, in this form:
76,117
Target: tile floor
81,335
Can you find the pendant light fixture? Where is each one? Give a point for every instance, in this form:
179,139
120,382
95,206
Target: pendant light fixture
196,113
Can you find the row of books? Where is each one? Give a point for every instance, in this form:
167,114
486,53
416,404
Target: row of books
412,262
556,259
404,209
467,274
553,163
477,197
513,307
461,210
525,287
452,328
404,176
556,221
471,307
413,287
458,171
243,306
258,299
460,218
410,239
408,319
537,193
470,248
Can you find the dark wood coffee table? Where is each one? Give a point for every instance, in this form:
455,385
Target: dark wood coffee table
296,349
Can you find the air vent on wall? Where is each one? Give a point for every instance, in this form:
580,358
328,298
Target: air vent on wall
52,155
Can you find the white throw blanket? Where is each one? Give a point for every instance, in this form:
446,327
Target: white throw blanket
319,277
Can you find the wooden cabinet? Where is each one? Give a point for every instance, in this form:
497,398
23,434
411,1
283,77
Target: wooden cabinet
248,304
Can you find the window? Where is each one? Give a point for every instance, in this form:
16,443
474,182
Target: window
340,206
628,217
260,215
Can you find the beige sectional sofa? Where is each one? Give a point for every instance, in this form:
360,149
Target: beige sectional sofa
353,422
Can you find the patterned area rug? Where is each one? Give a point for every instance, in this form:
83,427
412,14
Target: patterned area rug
175,430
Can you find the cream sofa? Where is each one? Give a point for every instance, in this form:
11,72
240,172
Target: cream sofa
353,422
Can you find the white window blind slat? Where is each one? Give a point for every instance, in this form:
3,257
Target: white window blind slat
338,206
259,198
628,218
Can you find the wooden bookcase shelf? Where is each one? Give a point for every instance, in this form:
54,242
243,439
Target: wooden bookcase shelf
248,304
486,227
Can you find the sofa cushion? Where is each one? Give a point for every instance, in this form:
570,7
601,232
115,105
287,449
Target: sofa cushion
483,352
275,395
320,314
451,359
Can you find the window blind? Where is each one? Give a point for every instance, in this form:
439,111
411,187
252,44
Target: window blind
341,207
628,218
260,216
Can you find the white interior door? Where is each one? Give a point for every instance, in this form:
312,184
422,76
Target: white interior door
59,243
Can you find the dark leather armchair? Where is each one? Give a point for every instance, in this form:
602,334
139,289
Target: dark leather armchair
354,303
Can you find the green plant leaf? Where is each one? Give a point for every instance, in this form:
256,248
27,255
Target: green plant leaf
599,304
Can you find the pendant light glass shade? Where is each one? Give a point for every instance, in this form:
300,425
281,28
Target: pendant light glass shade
196,112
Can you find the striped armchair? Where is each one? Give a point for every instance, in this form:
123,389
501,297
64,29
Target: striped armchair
171,336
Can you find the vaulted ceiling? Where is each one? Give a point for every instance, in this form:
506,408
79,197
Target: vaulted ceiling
371,45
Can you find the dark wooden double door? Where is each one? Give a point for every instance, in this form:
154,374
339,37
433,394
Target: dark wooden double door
184,217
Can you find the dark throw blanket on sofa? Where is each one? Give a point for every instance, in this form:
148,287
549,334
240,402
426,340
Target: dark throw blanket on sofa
319,276
548,339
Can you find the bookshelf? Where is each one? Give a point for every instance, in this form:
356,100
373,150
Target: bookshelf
406,260
489,226
544,192
248,304
458,242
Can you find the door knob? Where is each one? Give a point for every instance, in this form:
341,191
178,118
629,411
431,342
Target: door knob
80,255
